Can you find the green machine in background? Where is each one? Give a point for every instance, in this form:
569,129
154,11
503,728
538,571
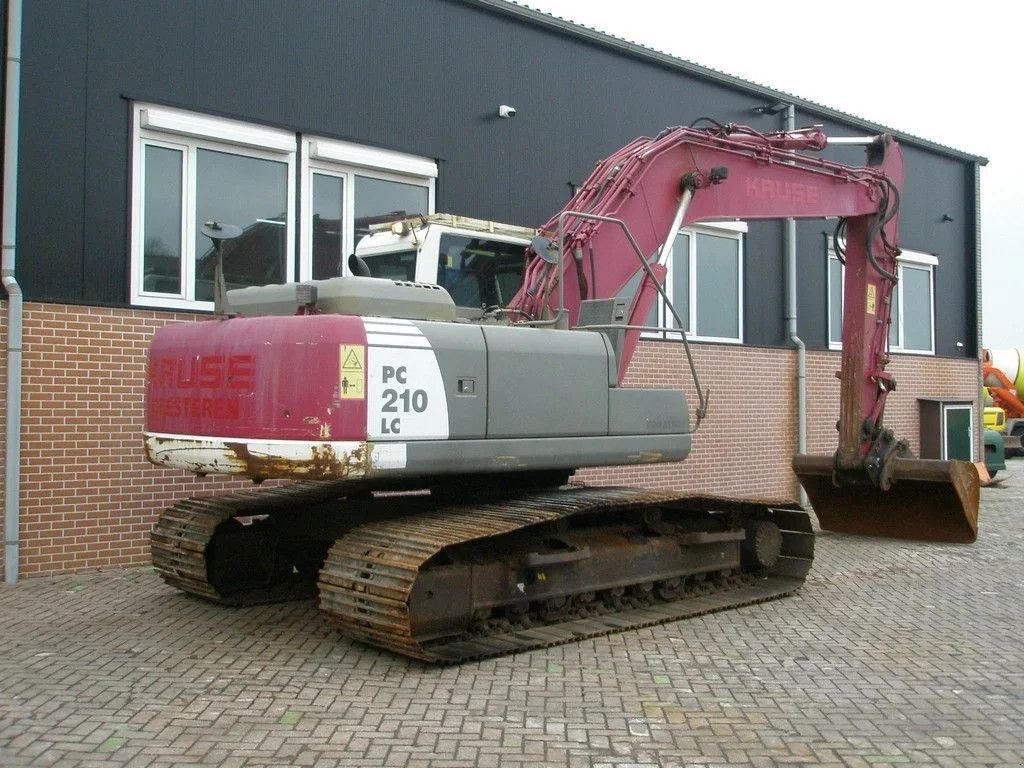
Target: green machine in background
995,452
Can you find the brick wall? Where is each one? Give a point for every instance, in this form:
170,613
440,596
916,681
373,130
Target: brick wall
745,444
916,376
89,498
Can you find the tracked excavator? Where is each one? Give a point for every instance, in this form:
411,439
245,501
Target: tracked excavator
431,511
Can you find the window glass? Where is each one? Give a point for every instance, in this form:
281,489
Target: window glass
328,215
161,225
703,285
189,168
717,294
398,265
251,193
378,200
894,326
680,292
911,327
478,272
917,308
835,300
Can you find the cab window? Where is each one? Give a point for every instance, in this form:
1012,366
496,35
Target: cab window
399,265
478,272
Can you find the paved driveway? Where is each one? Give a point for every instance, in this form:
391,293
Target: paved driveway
892,653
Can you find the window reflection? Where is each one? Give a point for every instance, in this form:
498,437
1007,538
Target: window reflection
479,272
835,300
704,277
718,276
917,310
161,226
380,200
894,316
680,282
400,265
328,215
252,194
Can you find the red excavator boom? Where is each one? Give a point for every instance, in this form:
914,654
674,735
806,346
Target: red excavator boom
685,176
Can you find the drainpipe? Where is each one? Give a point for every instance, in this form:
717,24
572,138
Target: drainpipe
12,469
789,251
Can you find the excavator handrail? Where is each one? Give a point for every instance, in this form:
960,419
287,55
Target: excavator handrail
702,397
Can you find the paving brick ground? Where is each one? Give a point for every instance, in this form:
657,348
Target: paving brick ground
894,653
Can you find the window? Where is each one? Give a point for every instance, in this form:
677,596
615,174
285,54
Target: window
190,168
479,272
396,265
351,187
913,307
705,284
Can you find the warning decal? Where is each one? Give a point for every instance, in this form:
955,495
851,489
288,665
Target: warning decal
352,376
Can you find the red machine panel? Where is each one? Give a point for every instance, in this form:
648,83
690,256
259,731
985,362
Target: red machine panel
272,378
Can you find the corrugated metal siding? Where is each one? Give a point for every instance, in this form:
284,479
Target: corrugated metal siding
51,178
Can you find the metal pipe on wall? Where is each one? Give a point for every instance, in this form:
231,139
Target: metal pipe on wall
15,306
789,255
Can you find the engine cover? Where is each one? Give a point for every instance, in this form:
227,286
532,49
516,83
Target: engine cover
341,396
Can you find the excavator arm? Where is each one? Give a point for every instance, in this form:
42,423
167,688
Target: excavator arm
636,201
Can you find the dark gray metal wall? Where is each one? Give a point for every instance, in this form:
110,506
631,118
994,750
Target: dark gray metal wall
422,76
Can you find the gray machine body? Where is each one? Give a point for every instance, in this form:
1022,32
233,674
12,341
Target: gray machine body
523,398
518,397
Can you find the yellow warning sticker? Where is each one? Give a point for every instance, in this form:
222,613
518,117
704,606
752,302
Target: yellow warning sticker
352,378
872,301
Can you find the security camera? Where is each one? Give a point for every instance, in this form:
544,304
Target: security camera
506,111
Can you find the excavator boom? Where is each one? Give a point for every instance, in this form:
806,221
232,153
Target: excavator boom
870,485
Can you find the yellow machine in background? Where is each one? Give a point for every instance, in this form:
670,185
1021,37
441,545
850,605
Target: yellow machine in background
1003,379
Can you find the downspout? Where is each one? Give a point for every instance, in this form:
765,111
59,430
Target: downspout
15,306
789,255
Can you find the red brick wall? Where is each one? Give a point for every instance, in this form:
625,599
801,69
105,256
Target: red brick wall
744,446
89,498
746,442
916,376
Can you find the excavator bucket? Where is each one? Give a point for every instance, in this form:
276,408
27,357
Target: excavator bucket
928,500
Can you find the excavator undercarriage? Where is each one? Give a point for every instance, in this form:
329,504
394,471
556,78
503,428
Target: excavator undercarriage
492,573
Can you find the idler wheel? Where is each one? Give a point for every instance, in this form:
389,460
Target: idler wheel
763,544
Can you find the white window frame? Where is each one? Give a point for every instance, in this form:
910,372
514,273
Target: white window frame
345,160
189,132
729,229
910,259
